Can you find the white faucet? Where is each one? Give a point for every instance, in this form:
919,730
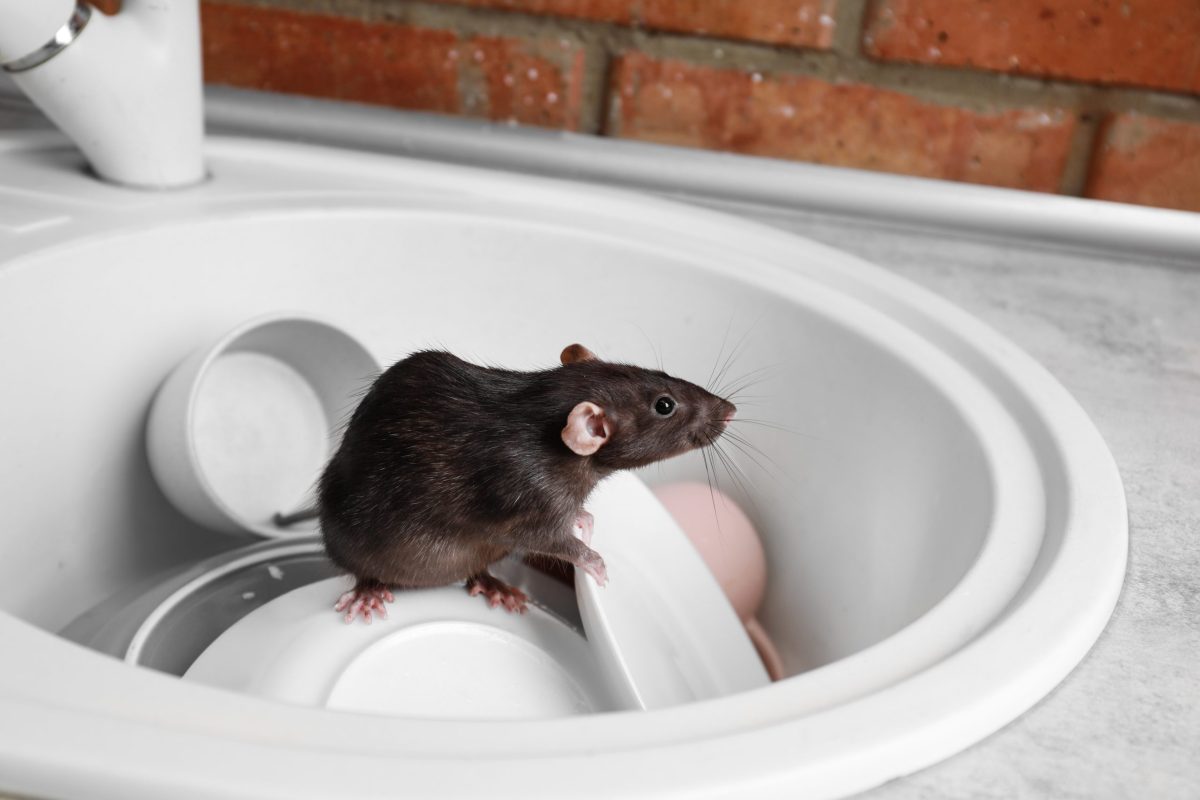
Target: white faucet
127,89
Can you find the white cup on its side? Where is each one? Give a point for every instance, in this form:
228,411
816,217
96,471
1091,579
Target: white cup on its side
241,429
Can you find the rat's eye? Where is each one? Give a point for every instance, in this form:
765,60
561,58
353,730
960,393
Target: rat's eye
664,406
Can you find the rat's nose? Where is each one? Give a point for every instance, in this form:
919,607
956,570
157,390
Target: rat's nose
729,414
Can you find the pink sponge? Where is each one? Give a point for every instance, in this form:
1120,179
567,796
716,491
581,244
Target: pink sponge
731,548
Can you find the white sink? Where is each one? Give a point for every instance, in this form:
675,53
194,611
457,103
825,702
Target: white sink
945,529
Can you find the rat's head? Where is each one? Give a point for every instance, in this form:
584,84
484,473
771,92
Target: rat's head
633,416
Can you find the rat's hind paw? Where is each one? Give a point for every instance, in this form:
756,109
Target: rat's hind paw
365,599
497,592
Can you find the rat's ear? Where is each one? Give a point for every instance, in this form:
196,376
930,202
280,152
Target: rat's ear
576,352
587,429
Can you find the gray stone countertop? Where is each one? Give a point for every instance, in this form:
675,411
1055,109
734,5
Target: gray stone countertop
1123,335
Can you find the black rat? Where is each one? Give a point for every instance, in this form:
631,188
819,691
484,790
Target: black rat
446,467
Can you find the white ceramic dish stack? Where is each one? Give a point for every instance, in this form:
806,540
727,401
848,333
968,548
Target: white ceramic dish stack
660,633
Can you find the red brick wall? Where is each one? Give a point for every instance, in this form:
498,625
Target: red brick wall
1091,97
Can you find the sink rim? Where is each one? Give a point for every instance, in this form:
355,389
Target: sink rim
1088,468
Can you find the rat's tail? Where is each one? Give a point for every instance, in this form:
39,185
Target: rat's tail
288,520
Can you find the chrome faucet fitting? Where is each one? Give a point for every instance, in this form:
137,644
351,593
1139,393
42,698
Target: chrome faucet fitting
127,88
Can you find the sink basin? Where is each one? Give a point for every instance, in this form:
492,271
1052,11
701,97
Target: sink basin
945,530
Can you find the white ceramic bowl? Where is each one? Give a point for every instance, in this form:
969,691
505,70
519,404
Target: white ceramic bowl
241,429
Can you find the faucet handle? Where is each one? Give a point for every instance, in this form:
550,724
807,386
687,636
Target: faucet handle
29,28
127,88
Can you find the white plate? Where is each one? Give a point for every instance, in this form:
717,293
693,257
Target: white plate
439,654
661,627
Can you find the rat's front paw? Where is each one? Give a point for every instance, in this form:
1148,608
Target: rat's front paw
584,525
365,599
593,565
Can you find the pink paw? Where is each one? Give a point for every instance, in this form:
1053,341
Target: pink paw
497,593
593,565
365,599
584,527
